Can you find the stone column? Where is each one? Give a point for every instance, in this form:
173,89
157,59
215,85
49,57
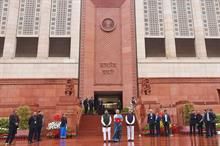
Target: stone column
198,28
140,31
169,30
10,36
75,29
44,33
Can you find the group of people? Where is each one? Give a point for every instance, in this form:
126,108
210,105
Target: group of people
91,105
106,121
154,119
35,124
197,120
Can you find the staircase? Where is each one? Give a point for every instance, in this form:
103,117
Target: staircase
91,125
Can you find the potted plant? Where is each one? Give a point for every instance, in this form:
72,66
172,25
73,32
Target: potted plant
186,110
3,127
54,127
24,113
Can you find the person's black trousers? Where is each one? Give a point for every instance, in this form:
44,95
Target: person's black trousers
151,127
11,135
86,110
214,132
192,128
39,133
167,128
208,126
32,132
157,129
200,129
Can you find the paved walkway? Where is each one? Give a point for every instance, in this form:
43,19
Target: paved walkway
176,140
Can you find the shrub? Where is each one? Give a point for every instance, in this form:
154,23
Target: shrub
4,122
217,118
4,125
24,113
187,109
125,110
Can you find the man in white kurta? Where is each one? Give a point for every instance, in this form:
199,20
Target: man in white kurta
106,125
130,120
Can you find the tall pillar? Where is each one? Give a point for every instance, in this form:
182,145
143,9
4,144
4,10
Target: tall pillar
75,29
169,30
198,28
44,33
141,51
10,36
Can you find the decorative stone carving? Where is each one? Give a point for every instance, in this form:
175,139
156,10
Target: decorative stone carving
69,91
108,25
146,88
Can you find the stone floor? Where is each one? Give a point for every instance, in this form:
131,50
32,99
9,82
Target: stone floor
176,140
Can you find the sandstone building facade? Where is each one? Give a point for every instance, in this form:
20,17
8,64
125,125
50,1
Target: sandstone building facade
54,52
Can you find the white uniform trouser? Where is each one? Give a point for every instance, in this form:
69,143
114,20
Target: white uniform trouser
106,130
130,132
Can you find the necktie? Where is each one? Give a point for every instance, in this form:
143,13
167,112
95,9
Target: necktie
208,119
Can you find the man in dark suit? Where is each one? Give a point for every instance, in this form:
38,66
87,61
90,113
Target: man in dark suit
40,119
166,122
199,121
32,122
208,119
96,103
100,106
13,125
151,121
157,123
213,122
91,105
86,105
192,122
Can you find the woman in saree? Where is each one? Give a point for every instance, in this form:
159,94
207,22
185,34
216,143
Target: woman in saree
63,126
118,119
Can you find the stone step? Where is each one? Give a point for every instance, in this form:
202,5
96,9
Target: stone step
91,125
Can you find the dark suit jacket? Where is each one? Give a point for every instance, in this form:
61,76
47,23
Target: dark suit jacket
157,120
40,120
211,117
192,119
168,119
199,119
32,122
13,121
151,118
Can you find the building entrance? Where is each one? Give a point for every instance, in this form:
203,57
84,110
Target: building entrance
111,100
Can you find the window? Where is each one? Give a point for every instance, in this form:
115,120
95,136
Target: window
155,47
213,47
185,47
2,41
59,47
26,47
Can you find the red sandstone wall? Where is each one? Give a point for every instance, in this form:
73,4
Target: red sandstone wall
115,48
47,95
166,91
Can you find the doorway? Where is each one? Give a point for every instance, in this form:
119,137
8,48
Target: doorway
111,100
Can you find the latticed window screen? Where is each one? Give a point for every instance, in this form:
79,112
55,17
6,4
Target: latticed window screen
183,18
211,17
153,18
60,24
3,16
29,18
